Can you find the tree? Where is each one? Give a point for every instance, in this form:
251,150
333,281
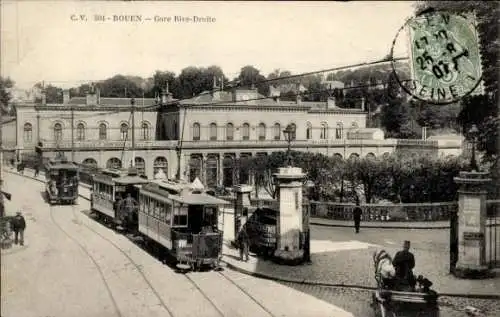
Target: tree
160,80
53,94
251,77
5,96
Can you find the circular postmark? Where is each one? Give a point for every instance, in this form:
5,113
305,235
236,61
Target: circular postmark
444,57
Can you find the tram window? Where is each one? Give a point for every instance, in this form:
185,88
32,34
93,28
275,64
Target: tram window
149,206
181,216
168,213
156,209
162,211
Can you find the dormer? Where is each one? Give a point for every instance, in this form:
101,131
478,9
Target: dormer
242,95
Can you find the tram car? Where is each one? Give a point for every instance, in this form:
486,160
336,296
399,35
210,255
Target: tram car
114,197
62,178
185,220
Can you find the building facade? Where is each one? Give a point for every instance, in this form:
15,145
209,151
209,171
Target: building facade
207,136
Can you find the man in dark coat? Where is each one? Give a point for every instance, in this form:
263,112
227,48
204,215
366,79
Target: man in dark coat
404,262
356,214
244,244
18,226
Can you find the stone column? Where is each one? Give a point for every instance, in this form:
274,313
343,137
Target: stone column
241,205
289,223
471,225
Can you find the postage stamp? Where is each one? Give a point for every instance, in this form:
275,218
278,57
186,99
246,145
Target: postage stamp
444,57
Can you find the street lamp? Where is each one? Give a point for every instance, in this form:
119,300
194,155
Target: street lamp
289,132
309,185
473,132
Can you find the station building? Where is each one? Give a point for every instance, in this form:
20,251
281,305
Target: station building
207,136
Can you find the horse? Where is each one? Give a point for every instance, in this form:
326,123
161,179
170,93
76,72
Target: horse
385,273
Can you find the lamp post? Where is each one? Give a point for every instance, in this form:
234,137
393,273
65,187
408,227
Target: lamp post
288,132
307,231
473,133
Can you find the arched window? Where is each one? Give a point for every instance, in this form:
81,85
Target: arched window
194,168
245,131
124,131
58,132
89,162
212,165
230,131
354,156
262,131
80,132
140,165
293,136
213,131
28,133
339,131
160,163
196,131
338,156
309,131
324,131
103,131
228,171
114,162
277,131
370,156
145,131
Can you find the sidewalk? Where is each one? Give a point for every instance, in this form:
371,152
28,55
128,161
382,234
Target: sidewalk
381,224
354,269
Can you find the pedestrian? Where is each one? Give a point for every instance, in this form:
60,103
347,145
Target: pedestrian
244,244
18,226
37,169
404,262
356,213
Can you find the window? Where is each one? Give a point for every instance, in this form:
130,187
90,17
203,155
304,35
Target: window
243,168
227,171
89,162
194,168
229,131
293,136
124,131
57,132
324,131
180,216
339,131
277,131
213,131
245,131
309,131
196,131
145,131
160,163
212,165
114,162
262,131
103,131
80,131
28,132
140,165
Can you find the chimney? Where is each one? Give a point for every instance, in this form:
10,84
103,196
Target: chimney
44,97
363,104
91,96
66,97
298,97
274,93
330,103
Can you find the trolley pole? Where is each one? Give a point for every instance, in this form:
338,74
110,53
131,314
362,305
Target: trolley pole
72,134
132,102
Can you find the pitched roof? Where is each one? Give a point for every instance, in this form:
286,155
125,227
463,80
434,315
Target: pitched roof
225,98
119,102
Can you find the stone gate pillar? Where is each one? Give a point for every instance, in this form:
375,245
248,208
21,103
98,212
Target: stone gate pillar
471,260
241,205
289,223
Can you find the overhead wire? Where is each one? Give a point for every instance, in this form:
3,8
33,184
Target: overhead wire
229,86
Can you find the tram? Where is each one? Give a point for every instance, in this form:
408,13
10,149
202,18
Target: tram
184,219
114,197
62,179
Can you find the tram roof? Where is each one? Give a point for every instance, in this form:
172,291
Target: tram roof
198,199
126,180
62,165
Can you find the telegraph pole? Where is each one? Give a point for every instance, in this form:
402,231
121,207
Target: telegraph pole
72,135
132,102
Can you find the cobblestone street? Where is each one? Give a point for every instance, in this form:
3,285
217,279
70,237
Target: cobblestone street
72,265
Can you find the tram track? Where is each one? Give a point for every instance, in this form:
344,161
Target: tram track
94,261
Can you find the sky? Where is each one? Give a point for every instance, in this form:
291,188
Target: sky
63,44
